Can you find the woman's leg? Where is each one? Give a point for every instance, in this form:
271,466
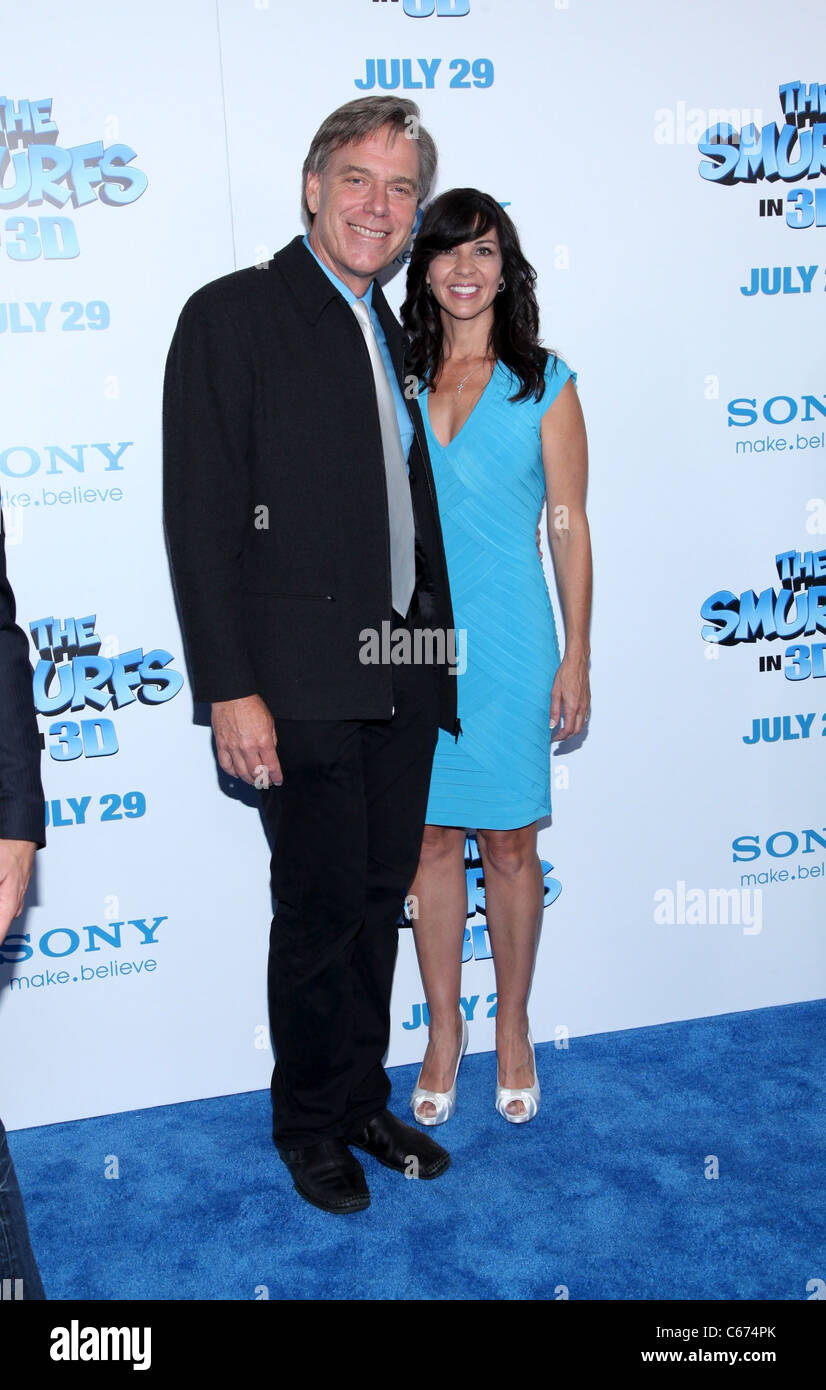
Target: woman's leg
439,916
514,897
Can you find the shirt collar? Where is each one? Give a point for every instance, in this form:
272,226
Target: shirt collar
339,284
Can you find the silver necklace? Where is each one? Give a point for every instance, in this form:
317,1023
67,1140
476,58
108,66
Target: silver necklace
460,388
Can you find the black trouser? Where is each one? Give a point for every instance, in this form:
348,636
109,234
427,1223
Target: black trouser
347,824
19,1275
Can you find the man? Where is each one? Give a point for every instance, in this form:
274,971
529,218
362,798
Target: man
22,831
300,514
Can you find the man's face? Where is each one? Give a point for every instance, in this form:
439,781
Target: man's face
364,205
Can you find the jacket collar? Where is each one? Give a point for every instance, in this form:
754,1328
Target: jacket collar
304,278
314,291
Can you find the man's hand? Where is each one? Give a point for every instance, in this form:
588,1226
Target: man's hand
16,860
245,738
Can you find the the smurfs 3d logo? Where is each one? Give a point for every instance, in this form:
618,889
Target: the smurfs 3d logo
35,169
797,608
786,153
72,673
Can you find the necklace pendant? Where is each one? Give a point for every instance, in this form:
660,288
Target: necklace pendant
460,388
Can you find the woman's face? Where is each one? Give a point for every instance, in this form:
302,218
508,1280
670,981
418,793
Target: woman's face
465,279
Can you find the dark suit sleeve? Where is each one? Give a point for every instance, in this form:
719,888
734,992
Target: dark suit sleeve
22,811
207,422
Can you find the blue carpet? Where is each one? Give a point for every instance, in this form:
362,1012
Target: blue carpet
604,1194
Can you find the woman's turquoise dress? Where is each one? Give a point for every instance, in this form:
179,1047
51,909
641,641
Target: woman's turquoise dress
490,486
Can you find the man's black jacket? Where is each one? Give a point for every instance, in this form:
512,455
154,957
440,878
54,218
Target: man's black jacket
275,503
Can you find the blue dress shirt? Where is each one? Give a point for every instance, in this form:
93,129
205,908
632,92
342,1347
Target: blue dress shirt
402,415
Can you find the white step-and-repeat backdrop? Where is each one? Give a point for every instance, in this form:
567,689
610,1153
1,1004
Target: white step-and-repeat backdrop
665,168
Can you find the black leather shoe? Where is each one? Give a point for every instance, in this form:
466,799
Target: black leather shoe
401,1147
328,1176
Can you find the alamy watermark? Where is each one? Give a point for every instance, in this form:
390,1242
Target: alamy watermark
419,646
710,907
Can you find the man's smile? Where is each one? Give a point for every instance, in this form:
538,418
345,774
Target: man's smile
371,232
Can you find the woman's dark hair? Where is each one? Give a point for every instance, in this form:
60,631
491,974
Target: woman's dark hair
460,215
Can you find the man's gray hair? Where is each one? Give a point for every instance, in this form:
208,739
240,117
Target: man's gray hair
360,118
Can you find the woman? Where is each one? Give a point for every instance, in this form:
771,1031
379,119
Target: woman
505,431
